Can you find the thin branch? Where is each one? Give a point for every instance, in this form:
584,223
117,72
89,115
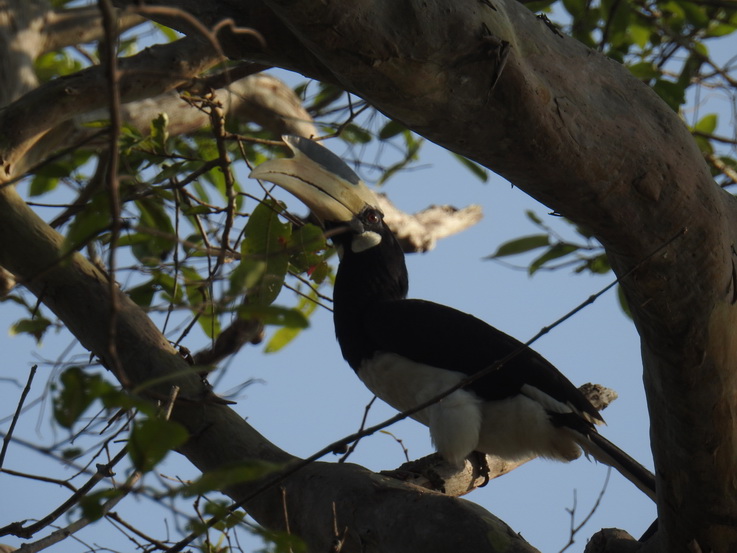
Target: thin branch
153,541
217,120
110,63
16,416
572,511
79,25
46,479
354,445
103,471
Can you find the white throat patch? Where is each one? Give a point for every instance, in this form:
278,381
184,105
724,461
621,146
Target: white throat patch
365,240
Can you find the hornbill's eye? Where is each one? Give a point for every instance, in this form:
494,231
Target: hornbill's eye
372,216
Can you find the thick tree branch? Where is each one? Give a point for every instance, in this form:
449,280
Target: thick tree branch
74,26
153,71
578,132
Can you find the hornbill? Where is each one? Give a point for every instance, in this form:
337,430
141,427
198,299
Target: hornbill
408,351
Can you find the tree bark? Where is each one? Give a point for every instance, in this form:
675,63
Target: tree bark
578,132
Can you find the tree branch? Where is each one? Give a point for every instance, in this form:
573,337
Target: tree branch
421,231
149,73
74,26
580,133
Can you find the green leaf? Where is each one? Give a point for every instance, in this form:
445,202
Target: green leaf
57,63
623,303
71,453
158,245
640,33
160,132
412,145
554,252
695,15
93,219
720,30
575,7
227,518
200,299
151,439
169,33
79,390
170,287
318,273
521,245
307,246
707,124
598,264
532,216
41,185
328,94
354,134
540,6
690,70
480,172
673,94
285,335
46,177
617,15
264,255
391,129
36,327
280,542
274,315
92,504
218,480
645,70
75,397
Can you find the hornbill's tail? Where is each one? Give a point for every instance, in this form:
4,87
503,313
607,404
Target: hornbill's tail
606,452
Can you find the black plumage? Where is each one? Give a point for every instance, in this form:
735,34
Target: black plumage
372,315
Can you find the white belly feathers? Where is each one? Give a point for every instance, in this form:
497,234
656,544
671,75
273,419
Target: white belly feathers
514,428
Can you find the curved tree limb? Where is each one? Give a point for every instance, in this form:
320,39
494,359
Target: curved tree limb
578,132
74,26
153,71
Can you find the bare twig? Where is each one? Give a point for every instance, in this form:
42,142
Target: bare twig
63,483
354,445
16,416
103,471
110,24
153,541
572,512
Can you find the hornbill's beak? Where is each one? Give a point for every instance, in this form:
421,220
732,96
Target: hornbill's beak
320,179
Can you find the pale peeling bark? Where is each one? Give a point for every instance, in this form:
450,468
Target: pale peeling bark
578,132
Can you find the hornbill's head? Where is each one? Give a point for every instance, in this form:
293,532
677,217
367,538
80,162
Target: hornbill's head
334,193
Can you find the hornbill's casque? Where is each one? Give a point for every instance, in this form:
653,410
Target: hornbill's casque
408,351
